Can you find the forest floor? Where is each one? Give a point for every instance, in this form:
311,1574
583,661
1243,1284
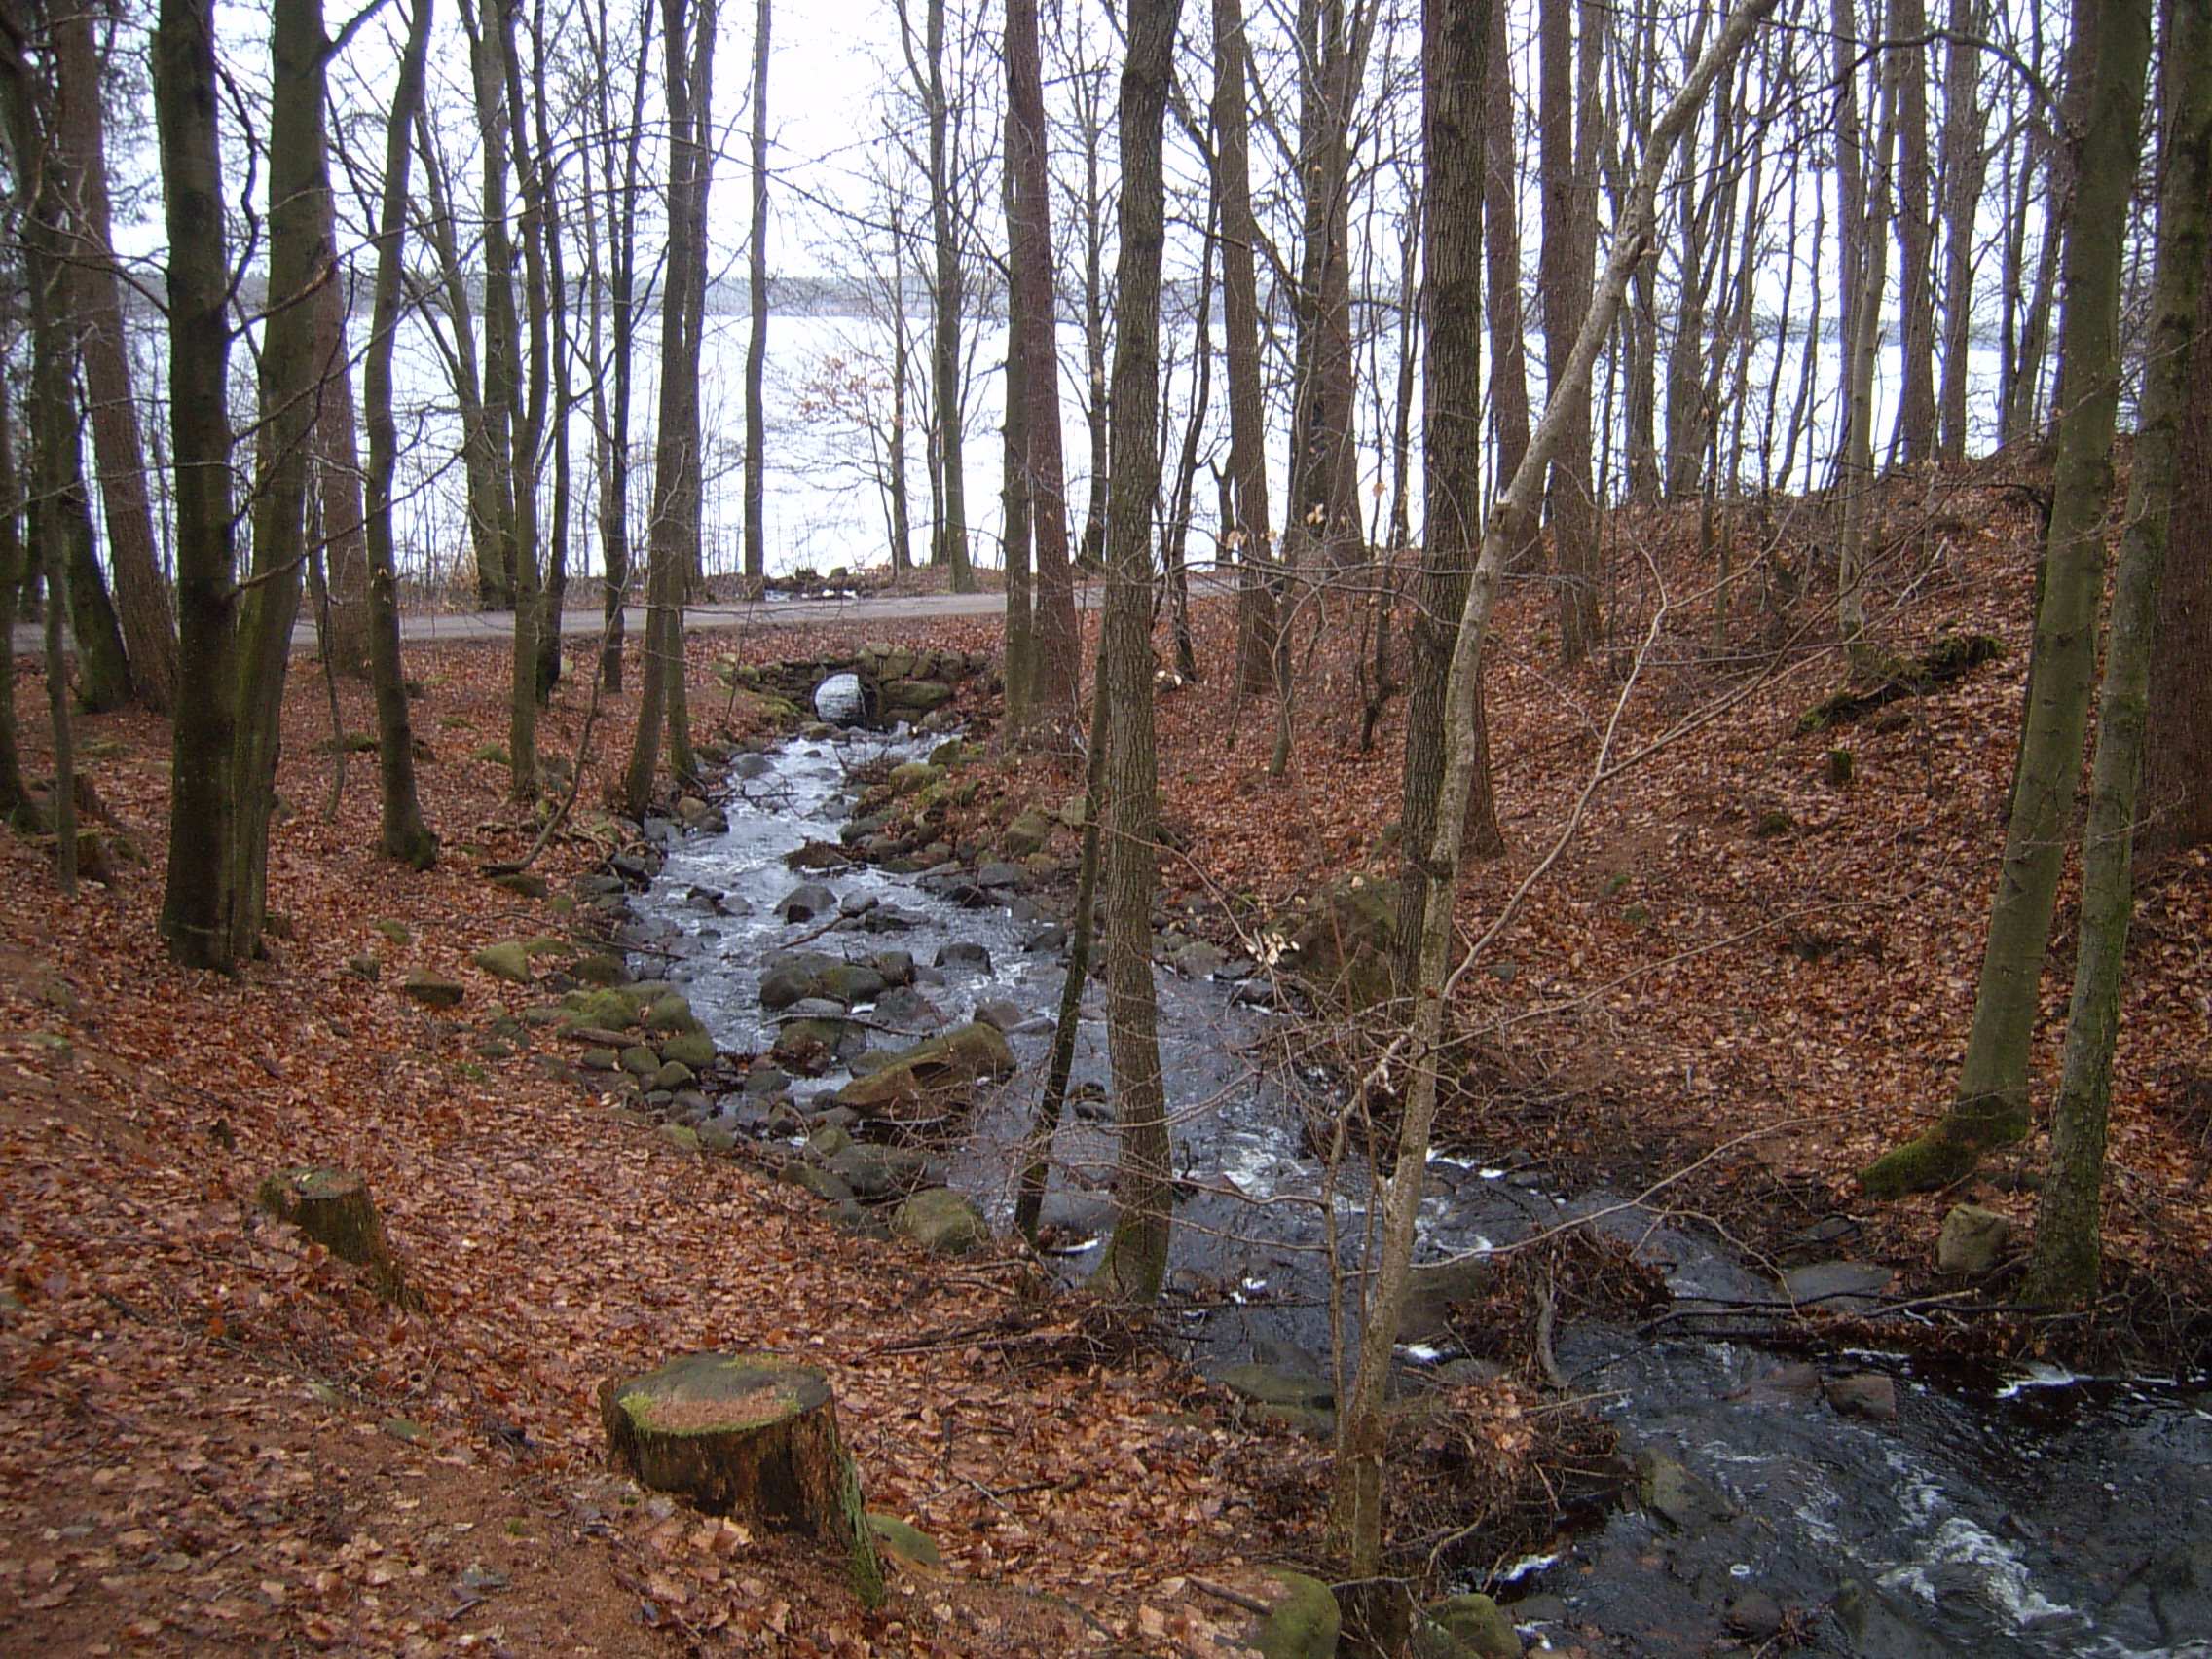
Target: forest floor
1737,973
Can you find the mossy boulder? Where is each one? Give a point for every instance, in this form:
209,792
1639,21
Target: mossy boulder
640,1060
914,774
526,884
1341,941
1303,1620
509,960
943,1222
927,1080
431,990
907,698
609,1008
1026,834
809,1046
395,932
1465,1627
693,1049
671,1012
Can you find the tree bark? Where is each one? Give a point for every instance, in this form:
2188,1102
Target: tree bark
195,899
757,322
1247,527
337,470
1563,281
1355,1506
1916,234
1991,1107
1501,222
404,835
2067,1261
1456,44
951,549
1017,666
1966,162
1134,1264
149,629
1055,646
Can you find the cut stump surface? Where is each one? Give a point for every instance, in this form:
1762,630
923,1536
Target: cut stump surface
751,1434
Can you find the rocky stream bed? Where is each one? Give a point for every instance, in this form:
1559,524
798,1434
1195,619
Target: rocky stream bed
1847,1501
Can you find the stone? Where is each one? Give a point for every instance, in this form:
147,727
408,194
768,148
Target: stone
808,1178
671,1012
672,1076
1973,1240
905,1540
1680,1499
506,960
1434,1289
908,1009
907,698
1870,1394
816,1008
1756,1614
941,1221
790,975
1197,960
1026,834
681,1136
394,930
606,1009
913,775
366,967
1277,1385
828,1141
1838,1287
925,1079
999,1013
850,983
809,1046
994,877
693,1049
528,883
640,1061
601,1059
879,1171
1339,942
808,901
1303,1620
1047,940
964,953
1465,1627
431,990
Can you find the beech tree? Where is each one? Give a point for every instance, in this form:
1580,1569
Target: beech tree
1991,1105
1134,1264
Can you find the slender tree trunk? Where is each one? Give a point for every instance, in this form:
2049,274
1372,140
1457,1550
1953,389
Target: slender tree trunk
1991,1107
559,342
1563,281
1019,667
1355,1506
1247,527
1854,469
944,340
902,370
149,629
1501,222
1916,234
1965,169
2068,1256
1135,1263
337,470
15,798
404,835
756,334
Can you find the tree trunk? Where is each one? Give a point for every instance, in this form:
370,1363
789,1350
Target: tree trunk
1854,469
1057,645
944,341
1355,1506
1965,169
15,798
1991,1107
337,469
404,835
299,258
1501,221
1017,666
757,329
1134,1264
149,629
1455,41
557,341
1563,281
195,899
1247,527
1916,234
2068,1256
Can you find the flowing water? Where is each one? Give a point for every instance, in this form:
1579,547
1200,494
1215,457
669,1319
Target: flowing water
2036,1515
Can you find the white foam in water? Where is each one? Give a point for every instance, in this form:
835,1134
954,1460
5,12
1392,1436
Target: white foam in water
1527,1565
1959,1542
2037,1375
1421,1354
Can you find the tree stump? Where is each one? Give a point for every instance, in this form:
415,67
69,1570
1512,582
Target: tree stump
752,1434
333,1207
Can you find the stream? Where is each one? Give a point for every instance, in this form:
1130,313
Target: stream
2034,1513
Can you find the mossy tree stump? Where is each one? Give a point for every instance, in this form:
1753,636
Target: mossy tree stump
333,1207
752,1434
